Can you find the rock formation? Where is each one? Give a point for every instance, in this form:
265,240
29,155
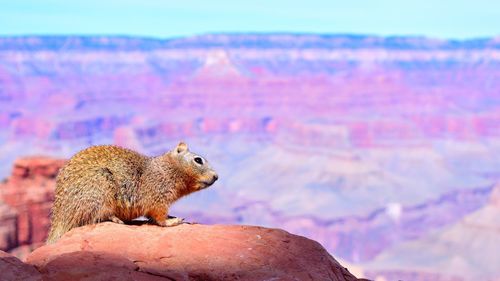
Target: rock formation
109,251
11,268
25,201
350,126
8,227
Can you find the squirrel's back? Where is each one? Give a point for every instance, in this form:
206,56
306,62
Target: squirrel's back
121,162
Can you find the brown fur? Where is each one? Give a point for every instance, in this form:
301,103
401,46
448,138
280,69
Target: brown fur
108,182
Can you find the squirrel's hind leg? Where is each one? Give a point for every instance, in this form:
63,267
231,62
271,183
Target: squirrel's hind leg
102,205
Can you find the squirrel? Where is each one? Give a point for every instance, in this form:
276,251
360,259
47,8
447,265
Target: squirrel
111,183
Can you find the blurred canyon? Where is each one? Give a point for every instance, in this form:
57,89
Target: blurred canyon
385,150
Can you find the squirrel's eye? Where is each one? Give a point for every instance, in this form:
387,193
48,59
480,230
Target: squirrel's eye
198,160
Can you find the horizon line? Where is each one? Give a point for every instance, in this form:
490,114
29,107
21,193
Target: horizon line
236,33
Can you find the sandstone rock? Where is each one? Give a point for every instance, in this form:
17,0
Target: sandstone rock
29,192
186,252
11,268
8,226
36,166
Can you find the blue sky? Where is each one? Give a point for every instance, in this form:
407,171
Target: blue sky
433,18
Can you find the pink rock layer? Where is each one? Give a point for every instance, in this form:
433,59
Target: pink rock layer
187,252
27,197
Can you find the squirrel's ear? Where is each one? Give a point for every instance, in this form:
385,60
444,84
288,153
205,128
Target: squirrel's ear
181,147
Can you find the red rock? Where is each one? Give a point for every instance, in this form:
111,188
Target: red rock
36,166
8,226
11,268
29,192
186,252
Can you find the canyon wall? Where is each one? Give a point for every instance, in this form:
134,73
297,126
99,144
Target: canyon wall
362,143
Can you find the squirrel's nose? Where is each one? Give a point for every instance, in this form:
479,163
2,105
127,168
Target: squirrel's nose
216,177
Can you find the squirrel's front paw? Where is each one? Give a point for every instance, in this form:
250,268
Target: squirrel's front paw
173,221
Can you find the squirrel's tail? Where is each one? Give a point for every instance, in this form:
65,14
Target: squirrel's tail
83,204
81,216
55,233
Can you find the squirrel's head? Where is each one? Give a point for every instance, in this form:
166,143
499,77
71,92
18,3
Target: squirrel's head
195,166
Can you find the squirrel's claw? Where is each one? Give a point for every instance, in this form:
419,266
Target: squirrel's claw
174,221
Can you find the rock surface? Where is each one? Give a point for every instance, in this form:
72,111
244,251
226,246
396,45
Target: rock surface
186,252
11,268
26,196
8,226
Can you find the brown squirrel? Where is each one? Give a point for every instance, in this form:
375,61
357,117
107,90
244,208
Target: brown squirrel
108,182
